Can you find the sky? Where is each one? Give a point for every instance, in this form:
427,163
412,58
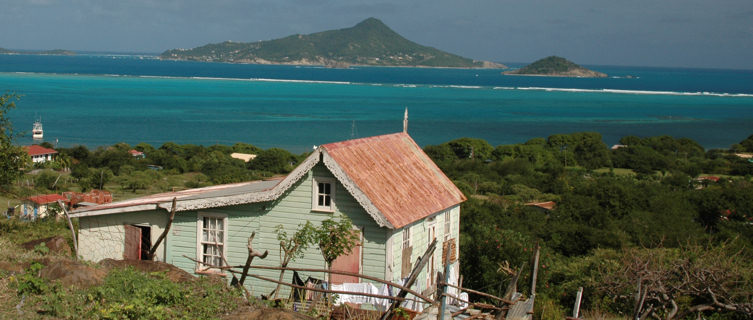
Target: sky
670,33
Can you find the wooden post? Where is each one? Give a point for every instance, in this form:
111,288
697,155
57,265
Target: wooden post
412,278
443,304
70,224
576,308
153,250
251,254
535,270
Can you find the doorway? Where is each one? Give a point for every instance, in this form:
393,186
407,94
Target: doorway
138,242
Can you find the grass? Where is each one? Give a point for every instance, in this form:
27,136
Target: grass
124,294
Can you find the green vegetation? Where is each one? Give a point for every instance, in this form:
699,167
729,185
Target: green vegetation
370,42
637,214
556,66
617,210
12,157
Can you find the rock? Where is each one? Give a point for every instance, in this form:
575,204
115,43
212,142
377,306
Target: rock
73,273
56,244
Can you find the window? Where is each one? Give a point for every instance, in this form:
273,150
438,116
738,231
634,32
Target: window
406,238
323,195
211,239
447,225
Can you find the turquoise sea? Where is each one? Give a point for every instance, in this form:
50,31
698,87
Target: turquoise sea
101,99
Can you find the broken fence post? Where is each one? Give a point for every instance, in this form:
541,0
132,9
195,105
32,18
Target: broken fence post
251,254
576,308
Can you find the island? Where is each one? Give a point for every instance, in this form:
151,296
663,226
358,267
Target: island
369,43
556,67
60,52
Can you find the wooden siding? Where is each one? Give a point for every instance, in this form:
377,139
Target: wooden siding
290,210
103,237
419,241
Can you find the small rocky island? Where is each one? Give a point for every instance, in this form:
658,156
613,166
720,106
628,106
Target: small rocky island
370,43
556,67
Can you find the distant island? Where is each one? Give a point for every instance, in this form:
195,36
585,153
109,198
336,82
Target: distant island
41,52
556,67
370,43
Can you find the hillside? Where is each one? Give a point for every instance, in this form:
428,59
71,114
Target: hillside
50,52
370,42
556,67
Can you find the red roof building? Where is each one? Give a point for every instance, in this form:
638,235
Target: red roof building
136,153
396,176
37,206
396,197
40,154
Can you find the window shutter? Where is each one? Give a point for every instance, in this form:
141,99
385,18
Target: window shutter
449,245
406,267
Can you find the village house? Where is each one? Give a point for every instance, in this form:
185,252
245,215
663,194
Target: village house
396,197
40,154
38,207
137,154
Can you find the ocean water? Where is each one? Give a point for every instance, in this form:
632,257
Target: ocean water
100,99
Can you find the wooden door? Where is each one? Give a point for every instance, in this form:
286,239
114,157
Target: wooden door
132,250
348,263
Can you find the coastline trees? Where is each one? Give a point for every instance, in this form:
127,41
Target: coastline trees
12,157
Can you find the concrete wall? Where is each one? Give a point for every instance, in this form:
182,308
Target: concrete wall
102,237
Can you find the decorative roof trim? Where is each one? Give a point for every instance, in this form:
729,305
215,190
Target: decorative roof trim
211,202
354,190
252,197
142,207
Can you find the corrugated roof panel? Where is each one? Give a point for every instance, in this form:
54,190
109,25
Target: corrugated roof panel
397,176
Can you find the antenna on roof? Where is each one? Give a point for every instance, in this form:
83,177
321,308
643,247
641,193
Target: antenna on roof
405,121
353,130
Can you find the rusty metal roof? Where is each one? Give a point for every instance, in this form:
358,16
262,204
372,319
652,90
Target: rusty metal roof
35,150
46,198
398,178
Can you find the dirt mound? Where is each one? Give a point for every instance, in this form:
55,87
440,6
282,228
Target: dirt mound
12,267
73,273
266,314
172,272
56,244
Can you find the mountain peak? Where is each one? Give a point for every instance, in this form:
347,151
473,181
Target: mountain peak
371,23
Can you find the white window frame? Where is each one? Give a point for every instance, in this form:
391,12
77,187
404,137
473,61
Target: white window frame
315,194
406,238
200,244
447,225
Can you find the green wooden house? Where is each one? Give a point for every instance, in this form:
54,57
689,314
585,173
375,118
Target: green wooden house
394,194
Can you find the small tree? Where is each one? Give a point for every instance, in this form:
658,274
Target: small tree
293,247
336,238
12,158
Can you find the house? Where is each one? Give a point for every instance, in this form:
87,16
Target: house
40,154
246,157
396,197
38,206
136,154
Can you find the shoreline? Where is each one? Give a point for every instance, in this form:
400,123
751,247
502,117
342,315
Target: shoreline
501,67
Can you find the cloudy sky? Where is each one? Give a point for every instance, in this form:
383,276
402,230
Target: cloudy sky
684,33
